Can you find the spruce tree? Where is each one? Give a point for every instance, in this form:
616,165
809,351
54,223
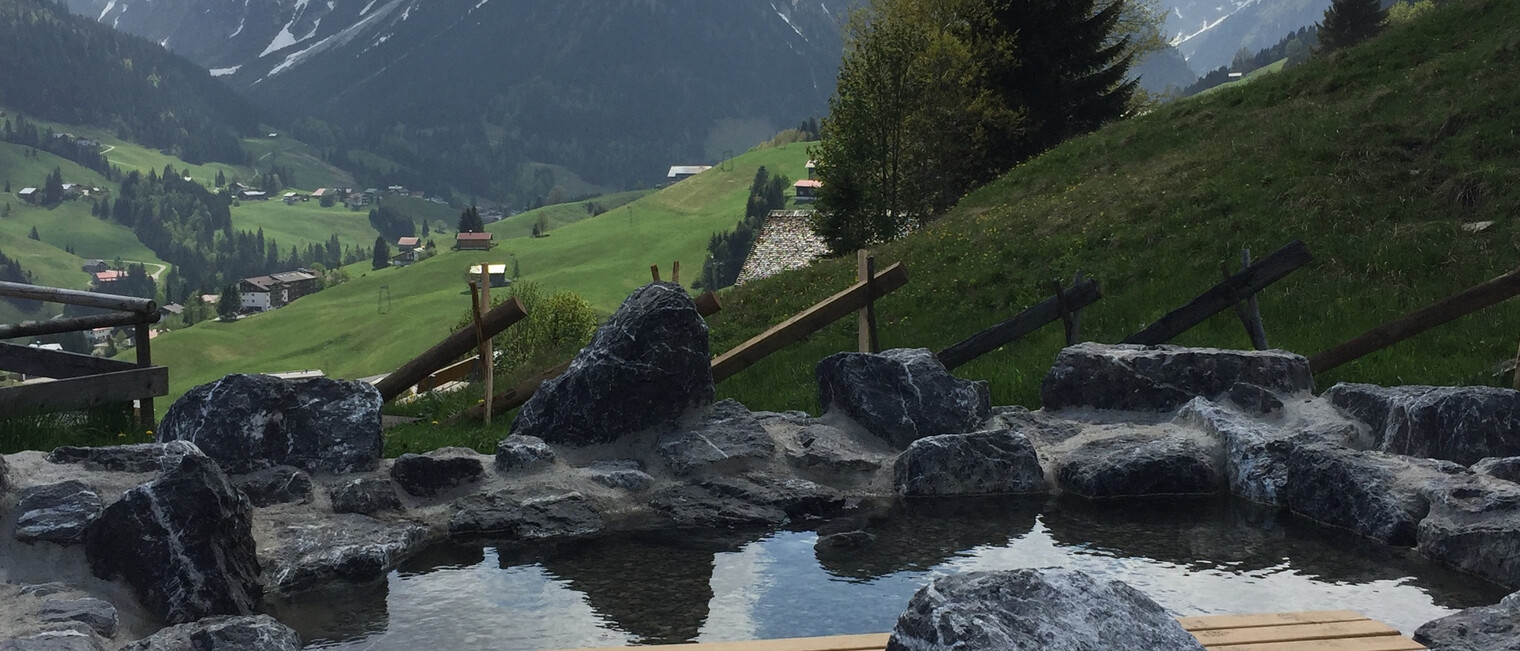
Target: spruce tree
382,257
230,302
469,220
1348,22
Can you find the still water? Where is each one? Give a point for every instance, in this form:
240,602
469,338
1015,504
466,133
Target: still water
1193,556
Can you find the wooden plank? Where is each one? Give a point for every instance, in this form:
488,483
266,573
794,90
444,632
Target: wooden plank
143,347
1253,279
56,363
866,642
1211,622
452,346
1381,643
1294,633
865,270
87,391
451,373
807,322
55,326
1418,321
76,297
1079,296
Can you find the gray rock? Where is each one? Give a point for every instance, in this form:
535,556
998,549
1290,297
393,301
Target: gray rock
745,500
517,451
277,485
364,495
184,543
1370,493
136,457
901,395
1035,610
1129,465
1485,628
251,633
502,513
1474,525
54,641
346,547
645,367
1253,399
625,474
1460,424
252,422
1162,378
99,615
827,448
982,463
842,543
437,472
726,439
1506,468
43,589
58,513
5,475
1041,428
1255,455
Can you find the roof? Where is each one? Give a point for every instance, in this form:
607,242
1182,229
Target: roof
319,192
292,276
254,193
686,170
110,275
812,164
495,269
407,241
173,308
27,191
261,282
473,236
808,183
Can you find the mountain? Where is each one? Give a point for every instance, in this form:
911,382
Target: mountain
1210,33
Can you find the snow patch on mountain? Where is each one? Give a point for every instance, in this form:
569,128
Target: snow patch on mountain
223,72
788,21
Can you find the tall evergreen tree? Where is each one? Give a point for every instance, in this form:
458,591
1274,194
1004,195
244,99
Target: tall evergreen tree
1348,22
382,258
469,220
230,302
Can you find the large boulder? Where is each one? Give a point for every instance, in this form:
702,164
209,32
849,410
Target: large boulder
1380,496
65,640
250,633
1474,525
183,542
901,395
1035,610
346,547
1461,424
727,439
252,422
504,513
522,452
822,447
645,367
1255,452
364,495
1162,378
1132,464
980,463
135,457
627,474
277,485
60,512
438,471
751,499
97,614
1506,468
1484,628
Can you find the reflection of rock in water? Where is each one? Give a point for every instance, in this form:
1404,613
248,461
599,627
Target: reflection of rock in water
1237,536
444,556
338,612
656,587
917,534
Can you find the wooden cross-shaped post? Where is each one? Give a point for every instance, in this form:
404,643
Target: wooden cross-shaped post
487,359
1248,310
866,265
675,272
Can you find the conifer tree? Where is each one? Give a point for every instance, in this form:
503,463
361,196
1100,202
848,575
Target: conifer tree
382,258
469,220
230,302
1348,22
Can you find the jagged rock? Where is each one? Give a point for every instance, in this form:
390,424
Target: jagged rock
625,474
99,615
1255,455
645,367
1506,468
1039,427
277,485
136,457
901,395
427,475
517,451
727,439
1373,494
533,518
250,633
981,463
348,547
252,422
1130,464
844,542
743,500
1035,610
183,542
364,495
5,475
43,589
1485,628
1460,424
58,513
1162,378
1253,399
1474,525
54,641
827,448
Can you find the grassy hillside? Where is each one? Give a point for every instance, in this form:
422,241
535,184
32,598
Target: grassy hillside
560,214
310,171
1376,157
351,331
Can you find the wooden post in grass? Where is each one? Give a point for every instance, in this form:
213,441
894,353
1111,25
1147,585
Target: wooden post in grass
1074,329
487,358
675,272
654,270
145,414
865,271
456,344
1250,317
1252,279
1418,321
1068,326
1076,297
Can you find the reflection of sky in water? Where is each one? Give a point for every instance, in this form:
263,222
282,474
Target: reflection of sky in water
775,585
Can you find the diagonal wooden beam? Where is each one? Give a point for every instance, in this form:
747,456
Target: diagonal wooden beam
1220,297
1077,297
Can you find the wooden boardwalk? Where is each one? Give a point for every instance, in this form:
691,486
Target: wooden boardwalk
1322,630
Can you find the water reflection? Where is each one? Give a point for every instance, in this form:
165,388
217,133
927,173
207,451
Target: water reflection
1194,556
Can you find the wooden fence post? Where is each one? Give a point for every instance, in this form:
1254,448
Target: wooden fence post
675,272
456,344
866,271
1067,326
1074,329
1077,297
145,413
654,270
1220,297
487,358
